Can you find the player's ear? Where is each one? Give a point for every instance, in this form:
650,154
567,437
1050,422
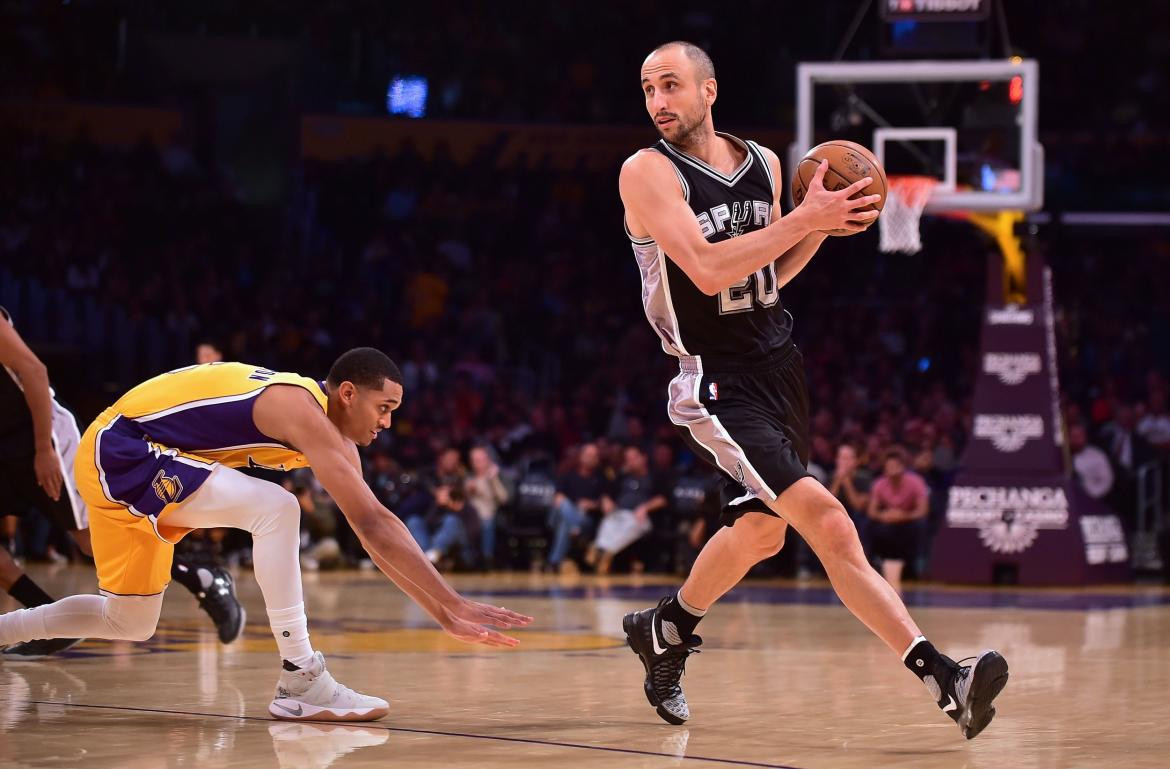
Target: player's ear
347,391
710,90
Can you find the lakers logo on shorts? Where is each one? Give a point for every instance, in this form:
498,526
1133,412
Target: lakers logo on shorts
167,487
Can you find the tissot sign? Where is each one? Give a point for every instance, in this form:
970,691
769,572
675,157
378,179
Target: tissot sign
935,10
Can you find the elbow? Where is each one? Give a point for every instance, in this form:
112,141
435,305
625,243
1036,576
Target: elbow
707,282
710,289
696,263
370,523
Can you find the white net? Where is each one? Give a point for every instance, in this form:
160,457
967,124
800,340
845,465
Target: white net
906,197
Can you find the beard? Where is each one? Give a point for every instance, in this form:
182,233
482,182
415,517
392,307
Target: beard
685,130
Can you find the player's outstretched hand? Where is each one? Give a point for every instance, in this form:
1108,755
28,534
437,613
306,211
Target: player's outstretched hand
837,210
466,623
48,469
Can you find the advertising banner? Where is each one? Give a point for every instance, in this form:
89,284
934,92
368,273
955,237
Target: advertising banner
1014,513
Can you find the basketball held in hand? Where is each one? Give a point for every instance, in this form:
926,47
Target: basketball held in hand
848,163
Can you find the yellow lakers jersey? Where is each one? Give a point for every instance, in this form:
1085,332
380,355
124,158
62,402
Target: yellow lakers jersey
206,411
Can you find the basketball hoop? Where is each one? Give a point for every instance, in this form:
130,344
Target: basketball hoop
906,197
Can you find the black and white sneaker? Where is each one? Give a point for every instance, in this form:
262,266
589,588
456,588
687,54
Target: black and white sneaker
664,662
219,601
967,697
30,651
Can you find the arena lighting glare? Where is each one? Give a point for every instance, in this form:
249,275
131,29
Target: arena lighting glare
407,95
1016,89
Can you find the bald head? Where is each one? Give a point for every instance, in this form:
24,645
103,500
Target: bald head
704,67
678,81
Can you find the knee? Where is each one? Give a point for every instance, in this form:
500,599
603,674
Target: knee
133,619
772,539
834,534
762,534
140,633
285,502
281,509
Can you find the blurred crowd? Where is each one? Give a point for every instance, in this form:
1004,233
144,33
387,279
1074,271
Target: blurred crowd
526,62
533,431
534,408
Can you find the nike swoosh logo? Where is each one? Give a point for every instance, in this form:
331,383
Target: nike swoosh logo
290,711
654,639
952,705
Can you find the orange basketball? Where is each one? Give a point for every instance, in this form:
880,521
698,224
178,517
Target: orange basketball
848,162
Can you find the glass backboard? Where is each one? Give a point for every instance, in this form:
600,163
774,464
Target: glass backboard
969,124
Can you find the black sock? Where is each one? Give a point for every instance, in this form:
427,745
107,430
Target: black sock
191,576
677,622
28,592
925,661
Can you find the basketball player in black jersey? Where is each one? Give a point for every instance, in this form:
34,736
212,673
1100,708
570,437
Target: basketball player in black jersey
702,210
38,439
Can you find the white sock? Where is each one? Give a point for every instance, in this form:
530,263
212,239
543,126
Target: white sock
291,629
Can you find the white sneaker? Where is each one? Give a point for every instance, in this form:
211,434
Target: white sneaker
311,693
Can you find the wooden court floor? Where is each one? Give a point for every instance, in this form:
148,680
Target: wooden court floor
787,678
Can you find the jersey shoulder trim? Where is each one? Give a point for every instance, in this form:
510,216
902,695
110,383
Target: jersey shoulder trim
764,164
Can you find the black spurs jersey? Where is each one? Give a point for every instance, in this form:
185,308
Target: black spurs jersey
744,326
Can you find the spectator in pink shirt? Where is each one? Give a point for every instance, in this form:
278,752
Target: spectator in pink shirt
897,511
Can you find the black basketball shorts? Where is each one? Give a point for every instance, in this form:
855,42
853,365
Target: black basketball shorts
752,426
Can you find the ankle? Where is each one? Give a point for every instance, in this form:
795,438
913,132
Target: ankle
932,667
688,607
677,620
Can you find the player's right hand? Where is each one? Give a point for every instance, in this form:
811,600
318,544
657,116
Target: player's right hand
825,210
466,621
48,469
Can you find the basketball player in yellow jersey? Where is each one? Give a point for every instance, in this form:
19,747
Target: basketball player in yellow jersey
159,463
